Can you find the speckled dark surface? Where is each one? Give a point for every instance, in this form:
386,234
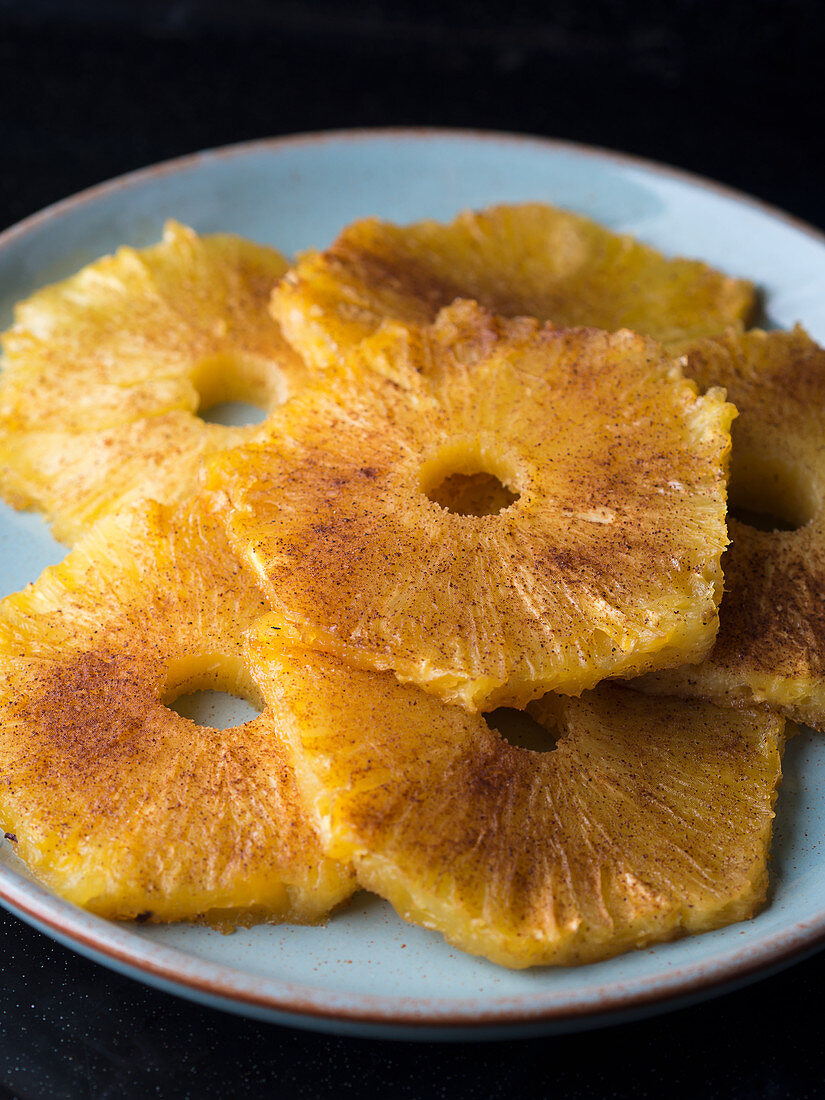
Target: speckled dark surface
71,1029
90,89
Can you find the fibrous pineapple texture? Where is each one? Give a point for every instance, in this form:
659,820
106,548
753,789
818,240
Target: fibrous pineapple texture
772,619
608,560
116,801
649,819
528,259
105,374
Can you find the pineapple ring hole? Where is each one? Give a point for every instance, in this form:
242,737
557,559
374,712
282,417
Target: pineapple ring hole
218,710
233,414
769,494
467,482
520,729
214,691
235,390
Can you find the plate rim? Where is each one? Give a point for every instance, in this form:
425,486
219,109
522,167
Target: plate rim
304,1003
690,981
163,168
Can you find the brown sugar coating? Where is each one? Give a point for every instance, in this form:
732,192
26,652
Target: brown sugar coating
527,259
99,369
607,559
771,643
649,819
119,803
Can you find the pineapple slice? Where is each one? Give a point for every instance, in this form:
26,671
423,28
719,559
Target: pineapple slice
530,259
117,802
772,619
77,478
105,374
607,561
649,819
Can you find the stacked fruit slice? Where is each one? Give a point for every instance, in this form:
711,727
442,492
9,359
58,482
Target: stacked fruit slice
106,375
770,645
528,259
459,507
606,563
649,818
115,800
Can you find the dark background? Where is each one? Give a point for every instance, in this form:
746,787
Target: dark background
92,89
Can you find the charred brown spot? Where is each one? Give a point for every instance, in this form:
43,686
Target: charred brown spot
773,614
406,276
86,710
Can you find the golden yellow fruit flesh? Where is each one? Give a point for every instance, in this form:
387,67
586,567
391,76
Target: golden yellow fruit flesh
607,561
772,619
116,801
105,374
523,259
649,819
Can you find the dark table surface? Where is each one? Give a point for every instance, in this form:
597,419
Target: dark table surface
90,89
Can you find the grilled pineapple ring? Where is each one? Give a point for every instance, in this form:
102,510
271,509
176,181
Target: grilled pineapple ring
771,643
117,802
608,560
528,259
105,374
650,819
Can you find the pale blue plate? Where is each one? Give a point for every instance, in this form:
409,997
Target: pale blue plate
366,972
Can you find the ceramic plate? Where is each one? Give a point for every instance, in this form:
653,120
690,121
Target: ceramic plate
367,972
